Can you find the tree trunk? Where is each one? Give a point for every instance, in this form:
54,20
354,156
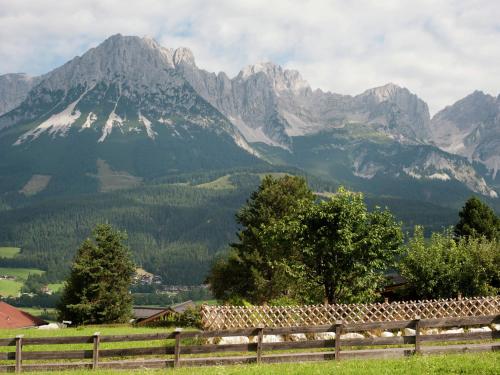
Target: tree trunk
330,293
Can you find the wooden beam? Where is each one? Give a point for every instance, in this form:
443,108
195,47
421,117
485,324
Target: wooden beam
95,351
177,348
417,335
260,337
338,333
19,353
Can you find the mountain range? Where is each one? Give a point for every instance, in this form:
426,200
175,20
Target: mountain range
131,114
130,88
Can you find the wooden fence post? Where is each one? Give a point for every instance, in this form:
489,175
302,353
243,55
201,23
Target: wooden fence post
338,333
177,348
417,335
19,353
95,350
260,337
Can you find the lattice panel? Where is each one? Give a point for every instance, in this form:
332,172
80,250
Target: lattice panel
233,317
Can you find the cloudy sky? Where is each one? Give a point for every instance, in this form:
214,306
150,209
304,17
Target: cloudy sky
441,50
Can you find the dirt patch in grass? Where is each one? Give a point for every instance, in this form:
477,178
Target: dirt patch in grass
36,184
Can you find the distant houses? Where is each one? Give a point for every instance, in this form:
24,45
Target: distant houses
146,278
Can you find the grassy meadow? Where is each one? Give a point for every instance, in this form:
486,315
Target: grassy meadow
13,287
9,252
470,363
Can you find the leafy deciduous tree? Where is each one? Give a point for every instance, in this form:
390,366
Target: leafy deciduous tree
345,248
444,266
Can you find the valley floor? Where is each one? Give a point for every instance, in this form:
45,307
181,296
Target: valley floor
477,363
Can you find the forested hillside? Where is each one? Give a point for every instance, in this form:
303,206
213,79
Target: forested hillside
175,227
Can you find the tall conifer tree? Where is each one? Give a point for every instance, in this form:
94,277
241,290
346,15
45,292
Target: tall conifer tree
476,220
97,290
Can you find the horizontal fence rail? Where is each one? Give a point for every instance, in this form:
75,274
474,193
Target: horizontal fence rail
200,348
230,317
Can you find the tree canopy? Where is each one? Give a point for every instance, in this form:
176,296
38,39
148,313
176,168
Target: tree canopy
443,266
476,220
250,272
97,290
344,248
294,246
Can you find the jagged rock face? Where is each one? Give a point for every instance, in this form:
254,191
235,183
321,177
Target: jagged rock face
270,104
130,86
438,166
471,128
13,90
126,83
400,112
122,102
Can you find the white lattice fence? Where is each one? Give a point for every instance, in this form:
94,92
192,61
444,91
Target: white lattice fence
233,317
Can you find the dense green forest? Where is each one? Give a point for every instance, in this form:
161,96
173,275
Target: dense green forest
176,226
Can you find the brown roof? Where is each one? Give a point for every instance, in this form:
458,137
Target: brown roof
12,317
181,307
146,312
145,315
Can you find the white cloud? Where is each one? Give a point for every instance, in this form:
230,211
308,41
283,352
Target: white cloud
441,50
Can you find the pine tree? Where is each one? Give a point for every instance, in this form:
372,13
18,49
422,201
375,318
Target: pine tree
476,220
97,290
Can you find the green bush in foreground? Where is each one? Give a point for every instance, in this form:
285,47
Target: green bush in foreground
444,266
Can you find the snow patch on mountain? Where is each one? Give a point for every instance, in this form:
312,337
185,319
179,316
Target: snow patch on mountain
147,124
112,121
58,123
91,118
165,121
440,176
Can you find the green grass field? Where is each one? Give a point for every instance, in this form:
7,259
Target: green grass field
19,273
10,288
118,329
123,329
13,287
221,183
41,312
472,363
55,287
9,252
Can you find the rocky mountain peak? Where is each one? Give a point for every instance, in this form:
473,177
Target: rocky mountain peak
130,58
282,79
13,89
474,108
386,92
471,128
183,55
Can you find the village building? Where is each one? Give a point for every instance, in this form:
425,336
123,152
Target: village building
145,315
11,318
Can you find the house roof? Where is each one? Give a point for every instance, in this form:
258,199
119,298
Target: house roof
144,315
146,312
181,307
12,317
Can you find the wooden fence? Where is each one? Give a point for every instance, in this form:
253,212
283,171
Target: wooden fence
234,317
188,348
